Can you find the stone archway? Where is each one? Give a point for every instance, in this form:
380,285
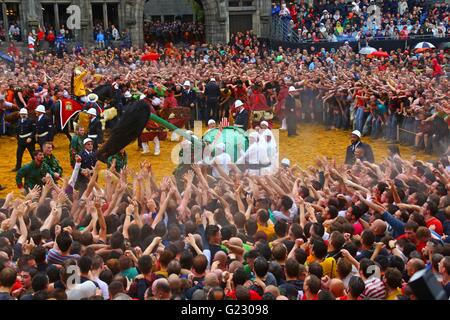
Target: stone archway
216,20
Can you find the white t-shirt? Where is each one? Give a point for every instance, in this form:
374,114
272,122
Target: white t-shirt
82,290
223,160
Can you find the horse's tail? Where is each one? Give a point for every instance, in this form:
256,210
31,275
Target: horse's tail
128,128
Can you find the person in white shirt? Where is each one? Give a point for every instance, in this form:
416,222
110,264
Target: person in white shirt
115,33
255,155
221,159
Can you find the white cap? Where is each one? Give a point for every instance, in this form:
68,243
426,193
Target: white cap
40,108
23,111
87,140
66,94
92,112
127,94
187,83
264,123
357,133
189,132
142,97
77,71
211,121
286,162
238,103
92,97
212,79
291,89
156,102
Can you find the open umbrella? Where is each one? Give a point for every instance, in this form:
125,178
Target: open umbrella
424,45
379,54
152,56
367,50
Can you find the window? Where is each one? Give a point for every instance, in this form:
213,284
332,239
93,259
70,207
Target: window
113,14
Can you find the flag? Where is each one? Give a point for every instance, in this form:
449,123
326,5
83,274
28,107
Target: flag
224,122
68,108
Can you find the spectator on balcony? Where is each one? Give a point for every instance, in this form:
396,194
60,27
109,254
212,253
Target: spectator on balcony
275,9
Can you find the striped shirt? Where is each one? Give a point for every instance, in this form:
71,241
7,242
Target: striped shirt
54,257
375,289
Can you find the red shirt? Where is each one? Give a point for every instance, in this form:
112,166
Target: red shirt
315,297
253,295
437,223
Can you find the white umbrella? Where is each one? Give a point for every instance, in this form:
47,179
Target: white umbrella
424,45
367,50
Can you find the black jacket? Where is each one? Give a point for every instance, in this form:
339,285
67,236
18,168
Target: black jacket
27,127
188,98
212,90
88,161
242,119
43,125
95,131
350,154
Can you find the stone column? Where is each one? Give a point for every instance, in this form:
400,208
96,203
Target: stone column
134,21
264,18
57,22
30,14
105,16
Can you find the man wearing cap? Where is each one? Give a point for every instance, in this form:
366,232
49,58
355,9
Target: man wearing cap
88,161
291,112
43,127
241,115
211,125
95,128
350,157
189,100
212,94
50,161
26,131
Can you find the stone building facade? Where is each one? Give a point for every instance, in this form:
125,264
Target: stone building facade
221,16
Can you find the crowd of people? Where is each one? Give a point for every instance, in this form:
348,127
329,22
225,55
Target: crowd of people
342,20
348,231
174,31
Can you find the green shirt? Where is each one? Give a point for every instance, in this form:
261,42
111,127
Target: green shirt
121,160
52,165
76,146
33,175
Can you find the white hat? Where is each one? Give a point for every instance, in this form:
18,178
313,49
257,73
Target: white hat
77,71
23,111
212,79
238,103
286,162
264,123
189,132
92,97
187,83
127,94
40,108
87,140
292,89
211,121
156,102
142,97
66,94
92,112
357,133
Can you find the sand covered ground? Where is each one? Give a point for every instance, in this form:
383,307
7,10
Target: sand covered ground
312,140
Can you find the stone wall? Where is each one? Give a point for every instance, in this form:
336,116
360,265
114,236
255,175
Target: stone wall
167,7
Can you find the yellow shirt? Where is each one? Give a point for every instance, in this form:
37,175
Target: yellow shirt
328,265
394,294
78,86
269,231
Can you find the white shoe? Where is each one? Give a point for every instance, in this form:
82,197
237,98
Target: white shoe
157,148
145,148
157,153
283,124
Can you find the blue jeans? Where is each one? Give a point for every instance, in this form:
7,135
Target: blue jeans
360,118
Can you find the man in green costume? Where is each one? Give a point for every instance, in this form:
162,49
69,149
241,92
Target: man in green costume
76,144
32,172
51,162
